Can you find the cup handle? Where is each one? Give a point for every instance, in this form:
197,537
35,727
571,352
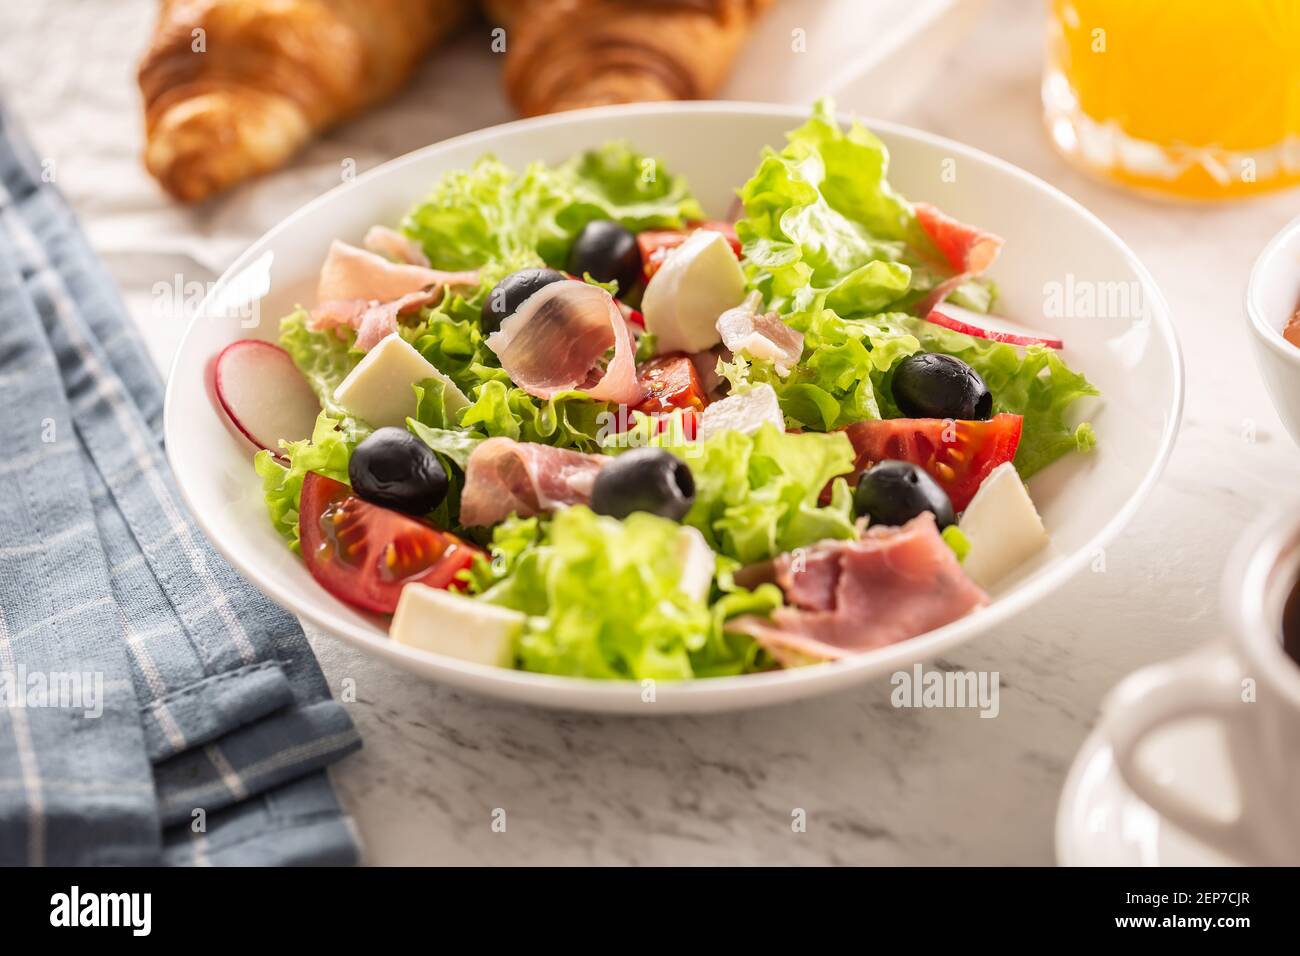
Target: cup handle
1199,685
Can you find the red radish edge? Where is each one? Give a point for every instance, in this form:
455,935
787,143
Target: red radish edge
994,328
632,315
264,395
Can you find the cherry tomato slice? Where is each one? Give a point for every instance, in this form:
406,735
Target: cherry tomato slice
364,554
958,454
670,381
657,243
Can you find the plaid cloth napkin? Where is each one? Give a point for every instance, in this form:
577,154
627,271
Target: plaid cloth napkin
154,708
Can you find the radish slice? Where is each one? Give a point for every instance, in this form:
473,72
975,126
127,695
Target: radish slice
991,327
264,394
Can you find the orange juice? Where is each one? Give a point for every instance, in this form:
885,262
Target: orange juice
1191,98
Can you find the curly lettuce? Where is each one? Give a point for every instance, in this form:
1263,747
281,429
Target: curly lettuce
604,599
823,228
326,452
834,385
757,496
324,359
491,215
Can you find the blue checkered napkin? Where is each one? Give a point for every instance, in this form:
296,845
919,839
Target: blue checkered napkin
217,721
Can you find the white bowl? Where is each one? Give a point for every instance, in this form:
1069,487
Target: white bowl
1085,499
1272,296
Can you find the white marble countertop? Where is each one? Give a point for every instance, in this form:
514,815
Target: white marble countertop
878,784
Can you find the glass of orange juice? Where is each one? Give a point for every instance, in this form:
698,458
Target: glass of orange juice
1198,99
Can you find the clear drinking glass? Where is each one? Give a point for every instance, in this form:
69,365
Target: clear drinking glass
1198,99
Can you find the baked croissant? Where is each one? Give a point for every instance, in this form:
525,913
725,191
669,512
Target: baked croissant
233,88
567,54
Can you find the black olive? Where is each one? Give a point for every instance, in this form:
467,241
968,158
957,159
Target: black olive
933,385
608,253
648,479
895,492
510,293
394,469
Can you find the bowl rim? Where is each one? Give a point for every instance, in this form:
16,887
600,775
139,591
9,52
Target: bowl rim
582,693
1268,333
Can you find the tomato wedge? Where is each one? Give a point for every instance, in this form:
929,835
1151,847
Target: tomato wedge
670,381
364,554
655,244
958,454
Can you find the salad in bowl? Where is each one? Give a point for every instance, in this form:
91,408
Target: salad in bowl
556,419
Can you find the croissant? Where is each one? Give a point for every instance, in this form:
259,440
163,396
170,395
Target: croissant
232,88
567,54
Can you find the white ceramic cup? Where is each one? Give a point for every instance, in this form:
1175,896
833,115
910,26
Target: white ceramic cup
1272,296
1250,687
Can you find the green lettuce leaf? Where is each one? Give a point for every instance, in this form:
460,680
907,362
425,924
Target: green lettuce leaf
604,599
453,448
567,420
452,444
327,452
324,360
823,227
1034,382
491,215
450,339
756,496
834,384
956,539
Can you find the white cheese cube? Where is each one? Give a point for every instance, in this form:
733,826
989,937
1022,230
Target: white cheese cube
457,626
1002,525
378,390
747,413
698,563
698,281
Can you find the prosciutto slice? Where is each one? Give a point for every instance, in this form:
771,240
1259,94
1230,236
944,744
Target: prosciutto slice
846,597
362,290
374,321
393,245
967,250
745,331
504,476
352,273
558,340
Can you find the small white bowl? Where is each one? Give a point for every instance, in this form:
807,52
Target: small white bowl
1272,296
1052,243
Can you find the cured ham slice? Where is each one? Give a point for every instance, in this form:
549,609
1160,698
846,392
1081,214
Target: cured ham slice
352,273
967,250
374,321
706,367
504,476
393,245
361,290
744,331
846,597
558,340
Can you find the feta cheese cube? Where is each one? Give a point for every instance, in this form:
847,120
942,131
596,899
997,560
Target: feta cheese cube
1002,525
378,390
698,281
747,413
448,623
698,563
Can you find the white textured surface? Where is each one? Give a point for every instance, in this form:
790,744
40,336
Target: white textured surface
878,785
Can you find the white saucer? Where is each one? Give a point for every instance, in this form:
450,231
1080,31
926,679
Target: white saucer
1101,823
